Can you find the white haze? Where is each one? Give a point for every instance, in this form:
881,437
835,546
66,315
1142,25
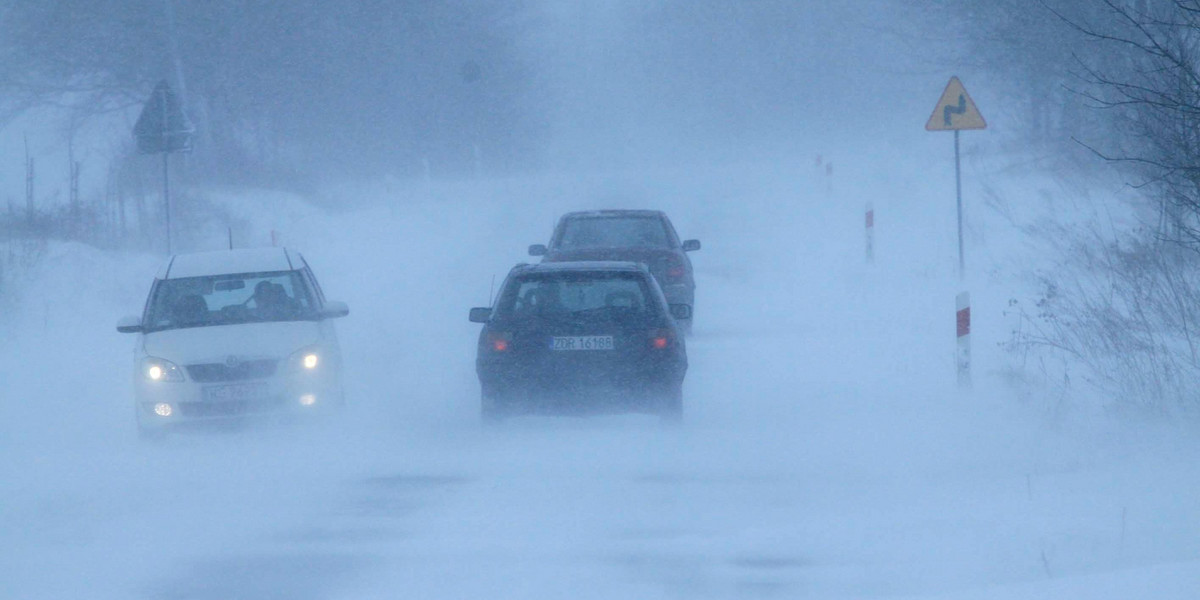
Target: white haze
826,452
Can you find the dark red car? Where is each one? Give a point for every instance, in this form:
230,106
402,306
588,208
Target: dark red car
641,236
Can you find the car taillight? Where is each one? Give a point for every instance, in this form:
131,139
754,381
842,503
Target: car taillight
498,342
660,339
674,269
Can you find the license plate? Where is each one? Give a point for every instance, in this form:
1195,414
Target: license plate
235,393
582,342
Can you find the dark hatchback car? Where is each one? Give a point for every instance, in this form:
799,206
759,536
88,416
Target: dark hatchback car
642,236
579,338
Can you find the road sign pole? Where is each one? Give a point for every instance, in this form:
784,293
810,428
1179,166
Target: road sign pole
163,128
167,197
166,164
956,111
958,200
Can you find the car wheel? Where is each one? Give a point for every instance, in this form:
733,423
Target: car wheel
491,411
671,409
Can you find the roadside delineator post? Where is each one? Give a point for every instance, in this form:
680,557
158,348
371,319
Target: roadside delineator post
870,233
963,320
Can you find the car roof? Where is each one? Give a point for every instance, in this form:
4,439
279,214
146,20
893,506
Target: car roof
589,214
223,262
578,266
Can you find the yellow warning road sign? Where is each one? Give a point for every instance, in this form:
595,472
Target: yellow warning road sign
955,110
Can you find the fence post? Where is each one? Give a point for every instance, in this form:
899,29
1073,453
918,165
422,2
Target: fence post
963,320
870,233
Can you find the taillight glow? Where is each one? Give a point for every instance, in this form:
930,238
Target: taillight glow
499,342
675,272
660,339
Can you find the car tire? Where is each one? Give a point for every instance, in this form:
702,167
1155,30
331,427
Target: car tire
671,409
491,411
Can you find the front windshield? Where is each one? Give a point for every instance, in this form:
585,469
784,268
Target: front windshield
576,295
614,232
228,299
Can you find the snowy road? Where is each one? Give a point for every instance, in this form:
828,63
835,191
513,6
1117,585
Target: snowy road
825,452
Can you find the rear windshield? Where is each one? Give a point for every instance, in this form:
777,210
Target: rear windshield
576,295
613,232
228,300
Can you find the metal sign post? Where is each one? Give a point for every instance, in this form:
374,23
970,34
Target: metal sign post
956,111
163,128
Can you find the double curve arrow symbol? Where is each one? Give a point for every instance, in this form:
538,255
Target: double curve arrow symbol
954,110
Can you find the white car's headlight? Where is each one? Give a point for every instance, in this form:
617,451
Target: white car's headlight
158,369
308,359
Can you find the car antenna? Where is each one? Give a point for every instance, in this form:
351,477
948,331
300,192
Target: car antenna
492,290
229,228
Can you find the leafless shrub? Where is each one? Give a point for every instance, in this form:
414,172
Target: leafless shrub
1126,314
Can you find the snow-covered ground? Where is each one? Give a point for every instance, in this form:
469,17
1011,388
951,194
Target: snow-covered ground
826,452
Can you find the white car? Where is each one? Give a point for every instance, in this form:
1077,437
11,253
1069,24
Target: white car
231,334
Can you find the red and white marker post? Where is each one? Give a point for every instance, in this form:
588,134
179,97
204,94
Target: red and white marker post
870,233
963,319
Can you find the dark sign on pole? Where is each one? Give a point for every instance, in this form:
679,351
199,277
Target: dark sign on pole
162,128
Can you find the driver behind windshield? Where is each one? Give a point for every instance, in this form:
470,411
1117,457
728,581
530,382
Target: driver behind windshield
271,301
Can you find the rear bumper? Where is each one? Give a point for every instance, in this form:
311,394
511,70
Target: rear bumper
545,389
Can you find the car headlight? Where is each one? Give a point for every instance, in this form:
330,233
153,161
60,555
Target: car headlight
158,369
308,359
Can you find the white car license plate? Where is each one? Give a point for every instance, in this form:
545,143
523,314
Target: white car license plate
582,342
235,393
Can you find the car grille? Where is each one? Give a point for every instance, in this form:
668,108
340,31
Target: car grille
228,409
251,369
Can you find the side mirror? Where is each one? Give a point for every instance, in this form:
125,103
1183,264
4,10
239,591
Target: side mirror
481,315
130,324
691,245
538,250
681,312
334,309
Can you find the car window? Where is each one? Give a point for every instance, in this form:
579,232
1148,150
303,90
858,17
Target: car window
228,299
576,294
613,232
314,285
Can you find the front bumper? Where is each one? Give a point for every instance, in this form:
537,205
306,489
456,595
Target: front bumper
552,389
194,402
